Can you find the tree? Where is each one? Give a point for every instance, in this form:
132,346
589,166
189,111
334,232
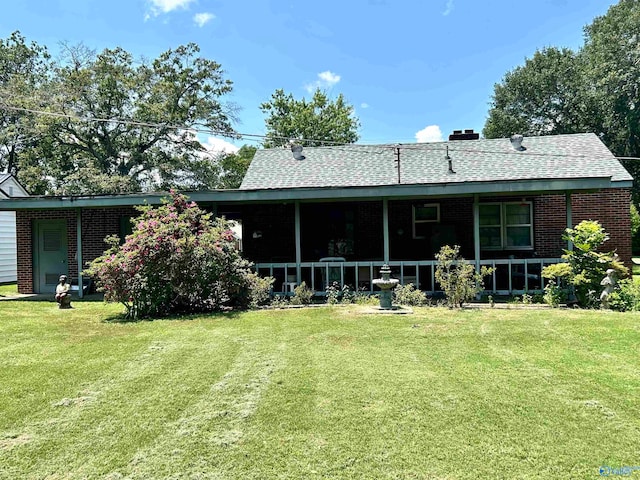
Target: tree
234,166
23,72
596,89
542,97
317,121
586,265
177,260
612,71
104,123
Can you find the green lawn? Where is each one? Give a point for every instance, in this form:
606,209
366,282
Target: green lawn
317,393
8,289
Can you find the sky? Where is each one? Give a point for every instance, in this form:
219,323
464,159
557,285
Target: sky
413,70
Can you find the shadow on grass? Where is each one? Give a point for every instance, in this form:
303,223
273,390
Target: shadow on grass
182,317
49,297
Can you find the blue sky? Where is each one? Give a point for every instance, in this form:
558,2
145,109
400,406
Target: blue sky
413,70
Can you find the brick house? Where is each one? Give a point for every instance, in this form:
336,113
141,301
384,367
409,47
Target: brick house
340,212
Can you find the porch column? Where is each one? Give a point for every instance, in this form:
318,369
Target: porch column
298,243
569,219
79,250
476,230
385,229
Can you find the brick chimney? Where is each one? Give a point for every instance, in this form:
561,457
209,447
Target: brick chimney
467,135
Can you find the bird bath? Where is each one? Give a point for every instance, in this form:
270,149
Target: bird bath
386,284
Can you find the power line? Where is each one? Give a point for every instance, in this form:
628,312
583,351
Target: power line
253,137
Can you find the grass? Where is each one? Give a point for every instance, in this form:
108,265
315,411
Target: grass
317,393
7,289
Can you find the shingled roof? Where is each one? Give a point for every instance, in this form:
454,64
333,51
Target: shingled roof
575,156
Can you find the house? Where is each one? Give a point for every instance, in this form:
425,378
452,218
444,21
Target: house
9,187
341,212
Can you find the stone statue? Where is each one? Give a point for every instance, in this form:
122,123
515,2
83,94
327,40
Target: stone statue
63,293
609,284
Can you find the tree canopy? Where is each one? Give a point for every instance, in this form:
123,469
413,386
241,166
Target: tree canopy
594,89
318,121
114,124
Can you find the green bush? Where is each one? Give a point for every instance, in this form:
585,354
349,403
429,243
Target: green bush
177,260
554,295
585,265
409,295
302,295
627,296
458,279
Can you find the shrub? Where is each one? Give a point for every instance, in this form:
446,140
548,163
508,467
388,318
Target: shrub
585,265
458,279
302,295
409,295
554,295
627,296
337,294
178,259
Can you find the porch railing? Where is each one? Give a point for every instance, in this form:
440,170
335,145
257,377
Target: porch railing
511,276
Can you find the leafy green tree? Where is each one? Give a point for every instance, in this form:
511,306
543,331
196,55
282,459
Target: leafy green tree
234,166
586,265
612,72
130,125
318,120
542,97
24,71
595,89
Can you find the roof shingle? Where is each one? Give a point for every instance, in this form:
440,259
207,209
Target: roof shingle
487,160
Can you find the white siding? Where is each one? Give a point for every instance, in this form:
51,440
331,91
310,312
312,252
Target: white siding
11,188
8,266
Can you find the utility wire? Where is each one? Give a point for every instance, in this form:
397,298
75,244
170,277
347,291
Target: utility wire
253,137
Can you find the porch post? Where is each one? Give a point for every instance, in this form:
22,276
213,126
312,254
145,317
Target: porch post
385,229
476,230
79,250
569,219
298,243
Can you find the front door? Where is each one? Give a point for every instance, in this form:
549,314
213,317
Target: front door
50,254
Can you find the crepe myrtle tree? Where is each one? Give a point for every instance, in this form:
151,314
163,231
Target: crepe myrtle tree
178,259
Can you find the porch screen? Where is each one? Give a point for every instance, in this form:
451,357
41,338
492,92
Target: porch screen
506,226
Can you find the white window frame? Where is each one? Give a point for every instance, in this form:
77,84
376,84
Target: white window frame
503,226
414,221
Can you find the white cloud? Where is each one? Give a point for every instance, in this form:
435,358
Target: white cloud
448,8
201,19
431,133
215,145
364,105
325,79
156,7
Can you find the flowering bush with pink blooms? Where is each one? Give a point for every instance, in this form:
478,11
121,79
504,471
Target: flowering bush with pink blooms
177,260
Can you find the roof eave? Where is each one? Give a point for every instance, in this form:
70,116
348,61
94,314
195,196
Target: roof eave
324,193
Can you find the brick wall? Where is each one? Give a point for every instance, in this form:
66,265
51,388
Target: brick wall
610,207
455,227
97,223
276,222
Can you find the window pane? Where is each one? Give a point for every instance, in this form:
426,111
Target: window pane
423,230
519,237
490,237
426,213
518,214
489,214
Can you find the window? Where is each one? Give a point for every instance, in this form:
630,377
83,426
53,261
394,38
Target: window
506,226
422,216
